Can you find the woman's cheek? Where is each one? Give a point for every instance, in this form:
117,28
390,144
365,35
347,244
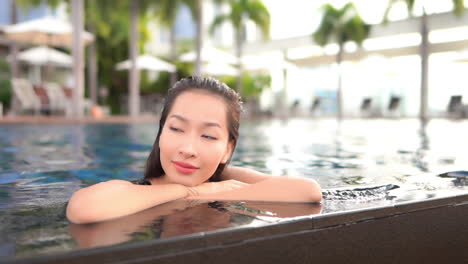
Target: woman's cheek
217,152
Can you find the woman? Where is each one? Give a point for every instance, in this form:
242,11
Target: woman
198,132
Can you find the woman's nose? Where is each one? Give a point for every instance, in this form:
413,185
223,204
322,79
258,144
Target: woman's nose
188,150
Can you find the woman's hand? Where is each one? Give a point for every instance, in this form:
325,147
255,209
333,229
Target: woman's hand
214,187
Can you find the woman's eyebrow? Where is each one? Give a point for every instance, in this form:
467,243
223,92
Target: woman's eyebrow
211,124
183,119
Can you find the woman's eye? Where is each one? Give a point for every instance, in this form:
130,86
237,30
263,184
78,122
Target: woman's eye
209,137
175,129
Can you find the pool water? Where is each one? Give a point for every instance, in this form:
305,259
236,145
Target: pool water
42,165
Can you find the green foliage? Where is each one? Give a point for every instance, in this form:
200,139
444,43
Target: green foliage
166,11
109,21
458,7
26,5
162,83
252,84
253,10
5,84
240,12
341,25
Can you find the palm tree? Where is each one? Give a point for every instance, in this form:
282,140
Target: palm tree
134,78
458,9
241,11
13,46
111,25
196,10
167,12
340,26
137,8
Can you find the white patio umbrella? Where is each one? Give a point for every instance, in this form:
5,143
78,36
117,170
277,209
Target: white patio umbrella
53,32
45,56
210,54
147,62
44,31
218,68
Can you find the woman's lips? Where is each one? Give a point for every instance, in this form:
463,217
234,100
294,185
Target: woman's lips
184,168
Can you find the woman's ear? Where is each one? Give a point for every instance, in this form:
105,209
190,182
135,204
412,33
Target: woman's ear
227,154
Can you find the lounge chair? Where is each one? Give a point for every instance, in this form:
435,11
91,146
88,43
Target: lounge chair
41,93
24,95
366,107
366,104
294,109
393,107
394,103
455,106
59,102
68,98
315,104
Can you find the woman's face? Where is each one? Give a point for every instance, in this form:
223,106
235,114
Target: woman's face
194,139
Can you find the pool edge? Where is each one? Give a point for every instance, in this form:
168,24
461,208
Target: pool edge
431,230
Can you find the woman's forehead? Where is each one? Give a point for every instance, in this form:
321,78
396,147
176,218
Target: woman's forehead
199,106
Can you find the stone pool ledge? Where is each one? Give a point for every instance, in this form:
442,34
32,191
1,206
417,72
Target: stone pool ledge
427,231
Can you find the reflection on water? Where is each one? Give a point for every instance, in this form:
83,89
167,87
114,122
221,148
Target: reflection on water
419,157
186,217
460,178
366,194
41,166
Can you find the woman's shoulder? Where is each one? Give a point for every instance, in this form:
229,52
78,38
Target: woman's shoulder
141,182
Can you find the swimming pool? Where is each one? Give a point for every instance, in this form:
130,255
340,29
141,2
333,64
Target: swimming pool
42,165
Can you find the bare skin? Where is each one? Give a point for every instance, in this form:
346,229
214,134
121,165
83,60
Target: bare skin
175,213
196,135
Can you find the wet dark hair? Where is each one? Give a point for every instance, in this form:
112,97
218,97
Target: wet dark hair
208,85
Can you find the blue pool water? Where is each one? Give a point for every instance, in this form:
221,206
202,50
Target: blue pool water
42,165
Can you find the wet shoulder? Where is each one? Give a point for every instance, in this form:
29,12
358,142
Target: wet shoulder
141,182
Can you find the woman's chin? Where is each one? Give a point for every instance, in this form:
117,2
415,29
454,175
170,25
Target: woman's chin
185,182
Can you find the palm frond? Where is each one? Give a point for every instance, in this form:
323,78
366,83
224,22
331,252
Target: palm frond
410,5
259,14
218,21
166,11
254,10
458,7
237,11
341,25
193,7
390,4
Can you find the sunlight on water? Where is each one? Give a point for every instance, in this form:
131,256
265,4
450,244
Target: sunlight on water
358,163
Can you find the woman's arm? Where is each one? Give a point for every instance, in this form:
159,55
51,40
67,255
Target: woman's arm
243,175
116,198
274,189
118,230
